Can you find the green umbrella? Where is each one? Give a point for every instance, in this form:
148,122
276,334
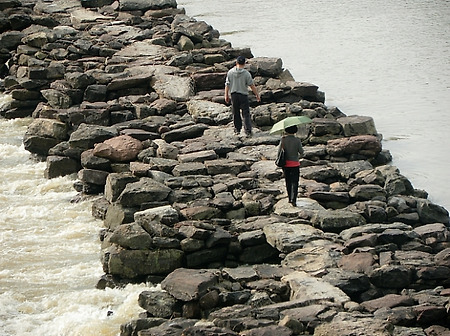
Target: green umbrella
288,122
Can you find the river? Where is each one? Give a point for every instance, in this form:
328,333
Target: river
386,59
50,253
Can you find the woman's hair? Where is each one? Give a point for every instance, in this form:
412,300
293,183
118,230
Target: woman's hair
291,129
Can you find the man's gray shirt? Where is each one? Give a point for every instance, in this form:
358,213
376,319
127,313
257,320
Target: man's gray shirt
239,80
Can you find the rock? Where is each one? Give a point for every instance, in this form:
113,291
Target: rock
315,257
135,326
357,125
43,134
163,214
367,192
117,84
433,234
60,166
336,220
367,145
131,236
187,285
311,289
200,156
9,4
431,213
357,323
391,276
319,173
351,283
93,176
57,99
90,161
86,136
358,262
172,327
143,191
437,330
143,5
158,304
209,112
130,264
208,81
183,133
10,40
95,3
267,331
350,169
118,149
389,301
173,87
189,169
116,183
266,66
287,238
117,215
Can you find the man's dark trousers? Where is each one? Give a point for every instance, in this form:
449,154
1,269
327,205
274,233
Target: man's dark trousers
239,102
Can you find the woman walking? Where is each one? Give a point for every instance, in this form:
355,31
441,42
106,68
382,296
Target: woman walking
293,152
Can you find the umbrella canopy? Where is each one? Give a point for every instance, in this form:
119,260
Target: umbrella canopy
288,122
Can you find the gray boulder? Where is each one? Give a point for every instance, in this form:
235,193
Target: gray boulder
130,264
143,191
189,284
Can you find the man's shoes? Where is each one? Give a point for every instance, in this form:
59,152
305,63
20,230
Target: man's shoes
236,132
248,134
293,203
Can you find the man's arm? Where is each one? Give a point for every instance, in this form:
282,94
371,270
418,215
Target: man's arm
255,92
227,94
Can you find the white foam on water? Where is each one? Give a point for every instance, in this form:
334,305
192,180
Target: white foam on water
50,253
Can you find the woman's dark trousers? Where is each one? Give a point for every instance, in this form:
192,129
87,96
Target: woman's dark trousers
292,177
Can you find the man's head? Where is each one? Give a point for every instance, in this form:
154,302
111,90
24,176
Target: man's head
240,60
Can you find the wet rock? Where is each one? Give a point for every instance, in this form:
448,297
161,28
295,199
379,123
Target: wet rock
130,264
131,236
134,326
44,134
158,304
60,166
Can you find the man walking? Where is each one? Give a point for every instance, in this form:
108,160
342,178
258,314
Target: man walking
237,83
